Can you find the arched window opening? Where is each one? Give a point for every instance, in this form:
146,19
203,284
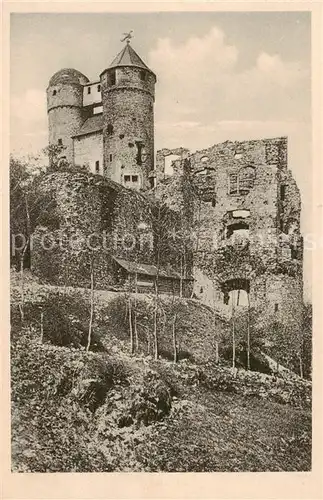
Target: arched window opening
54,92
110,129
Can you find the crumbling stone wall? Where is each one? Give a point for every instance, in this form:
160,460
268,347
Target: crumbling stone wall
268,260
119,222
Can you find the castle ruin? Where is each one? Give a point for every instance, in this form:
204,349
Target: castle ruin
239,199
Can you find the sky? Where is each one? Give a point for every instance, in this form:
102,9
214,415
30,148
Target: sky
221,76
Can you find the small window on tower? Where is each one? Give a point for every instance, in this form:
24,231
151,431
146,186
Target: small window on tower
99,88
89,90
97,166
142,75
276,307
54,92
60,142
282,192
113,77
127,178
110,156
134,178
110,129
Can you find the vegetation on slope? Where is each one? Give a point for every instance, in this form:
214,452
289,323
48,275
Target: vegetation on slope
78,411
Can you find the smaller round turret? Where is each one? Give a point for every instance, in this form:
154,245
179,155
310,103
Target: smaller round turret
64,108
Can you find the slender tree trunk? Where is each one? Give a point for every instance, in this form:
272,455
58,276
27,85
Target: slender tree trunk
155,321
135,315
175,358
215,331
233,333
181,279
41,327
132,346
301,373
22,284
89,338
248,333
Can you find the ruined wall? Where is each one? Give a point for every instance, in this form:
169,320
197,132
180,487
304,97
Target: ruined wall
245,229
88,149
119,222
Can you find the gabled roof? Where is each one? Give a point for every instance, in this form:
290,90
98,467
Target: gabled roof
147,269
91,125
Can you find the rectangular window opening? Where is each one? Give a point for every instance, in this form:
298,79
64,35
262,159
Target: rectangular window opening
233,184
60,142
276,307
282,192
89,90
134,178
126,178
97,166
113,77
110,156
99,88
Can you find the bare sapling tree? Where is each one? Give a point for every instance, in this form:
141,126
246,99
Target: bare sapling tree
233,331
89,337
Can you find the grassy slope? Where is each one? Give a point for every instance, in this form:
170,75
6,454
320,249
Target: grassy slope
147,418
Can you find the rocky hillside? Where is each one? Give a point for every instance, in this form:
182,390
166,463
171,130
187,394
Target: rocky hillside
110,410
75,411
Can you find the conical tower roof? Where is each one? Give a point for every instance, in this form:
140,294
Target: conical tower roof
129,57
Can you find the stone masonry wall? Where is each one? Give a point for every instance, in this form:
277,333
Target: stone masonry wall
88,149
119,222
65,115
264,261
128,107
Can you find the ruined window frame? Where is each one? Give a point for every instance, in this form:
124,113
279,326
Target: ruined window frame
242,182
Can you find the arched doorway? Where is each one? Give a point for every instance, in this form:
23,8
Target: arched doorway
236,294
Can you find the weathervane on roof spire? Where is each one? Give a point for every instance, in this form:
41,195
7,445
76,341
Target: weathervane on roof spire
127,36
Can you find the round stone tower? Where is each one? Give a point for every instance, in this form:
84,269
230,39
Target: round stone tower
64,108
128,95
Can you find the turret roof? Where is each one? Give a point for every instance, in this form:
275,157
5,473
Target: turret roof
128,57
68,75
